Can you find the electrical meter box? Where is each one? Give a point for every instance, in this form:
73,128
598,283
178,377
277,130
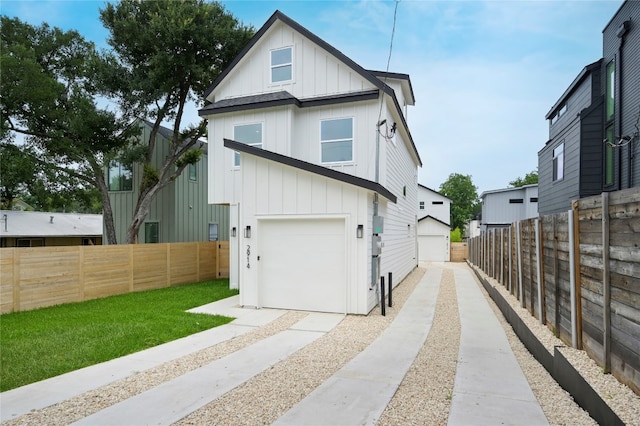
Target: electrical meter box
376,245
378,224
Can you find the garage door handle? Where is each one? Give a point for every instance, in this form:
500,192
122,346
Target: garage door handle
258,257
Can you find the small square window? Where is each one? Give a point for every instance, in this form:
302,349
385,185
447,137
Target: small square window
421,205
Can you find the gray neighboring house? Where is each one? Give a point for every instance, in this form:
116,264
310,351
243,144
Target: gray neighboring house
594,126
20,228
502,207
180,212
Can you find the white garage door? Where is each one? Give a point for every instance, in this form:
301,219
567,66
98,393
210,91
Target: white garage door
302,264
432,248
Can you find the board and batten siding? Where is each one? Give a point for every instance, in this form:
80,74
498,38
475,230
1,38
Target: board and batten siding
400,176
277,191
316,72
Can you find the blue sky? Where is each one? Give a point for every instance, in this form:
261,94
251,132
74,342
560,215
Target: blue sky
484,73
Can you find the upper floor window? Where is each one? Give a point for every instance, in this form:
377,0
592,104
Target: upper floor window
558,162
120,177
336,140
193,172
610,91
250,134
421,205
281,65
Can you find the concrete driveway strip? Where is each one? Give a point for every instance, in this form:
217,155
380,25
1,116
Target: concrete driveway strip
359,392
35,396
490,387
177,398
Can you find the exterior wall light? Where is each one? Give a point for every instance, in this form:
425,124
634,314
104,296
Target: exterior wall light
233,231
247,232
360,231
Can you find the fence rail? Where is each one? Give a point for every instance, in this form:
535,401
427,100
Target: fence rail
32,278
579,273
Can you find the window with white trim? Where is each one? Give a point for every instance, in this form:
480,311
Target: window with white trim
282,65
120,177
250,134
336,140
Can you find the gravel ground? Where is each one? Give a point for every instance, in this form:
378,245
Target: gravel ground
423,397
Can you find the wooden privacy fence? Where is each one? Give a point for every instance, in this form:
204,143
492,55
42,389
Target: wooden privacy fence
32,278
459,252
579,273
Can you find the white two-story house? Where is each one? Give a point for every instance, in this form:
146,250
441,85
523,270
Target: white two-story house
314,157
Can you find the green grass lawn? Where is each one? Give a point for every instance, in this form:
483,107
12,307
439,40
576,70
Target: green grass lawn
43,343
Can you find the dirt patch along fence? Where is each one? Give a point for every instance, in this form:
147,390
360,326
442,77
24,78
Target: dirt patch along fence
32,278
579,273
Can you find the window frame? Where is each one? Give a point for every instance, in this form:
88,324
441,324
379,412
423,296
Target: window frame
558,163
421,205
273,66
236,154
217,227
610,91
333,141
120,166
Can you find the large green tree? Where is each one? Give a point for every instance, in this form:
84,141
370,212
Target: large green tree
528,179
167,53
464,198
48,90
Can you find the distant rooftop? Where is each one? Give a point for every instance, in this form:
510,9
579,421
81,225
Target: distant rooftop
15,223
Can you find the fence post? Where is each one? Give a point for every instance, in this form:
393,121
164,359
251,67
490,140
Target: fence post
555,279
502,256
510,260
519,252
572,280
539,247
606,285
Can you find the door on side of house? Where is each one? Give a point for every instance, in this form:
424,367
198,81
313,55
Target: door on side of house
432,248
303,264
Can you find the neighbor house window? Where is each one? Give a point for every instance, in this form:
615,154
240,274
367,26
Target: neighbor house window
193,172
213,232
421,205
533,199
120,177
281,65
250,134
608,157
336,140
610,91
29,242
516,201
558,162
151,232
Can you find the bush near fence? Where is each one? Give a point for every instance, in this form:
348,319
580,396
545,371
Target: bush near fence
36,277
588,292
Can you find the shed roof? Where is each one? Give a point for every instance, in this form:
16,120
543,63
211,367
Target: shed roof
15,223
312,168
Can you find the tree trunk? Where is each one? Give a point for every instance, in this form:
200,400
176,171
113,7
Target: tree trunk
107,212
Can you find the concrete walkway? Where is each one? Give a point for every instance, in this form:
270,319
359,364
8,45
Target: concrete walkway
490,387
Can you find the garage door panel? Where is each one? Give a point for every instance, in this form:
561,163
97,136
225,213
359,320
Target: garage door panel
303,265
432,248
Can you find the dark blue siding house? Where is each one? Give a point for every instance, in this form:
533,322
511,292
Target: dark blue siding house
593,127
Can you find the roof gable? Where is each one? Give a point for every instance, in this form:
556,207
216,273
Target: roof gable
371,78
429,217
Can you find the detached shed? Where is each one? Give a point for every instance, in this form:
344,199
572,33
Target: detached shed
433,240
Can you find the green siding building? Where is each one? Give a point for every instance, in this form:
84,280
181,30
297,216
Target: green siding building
180,212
